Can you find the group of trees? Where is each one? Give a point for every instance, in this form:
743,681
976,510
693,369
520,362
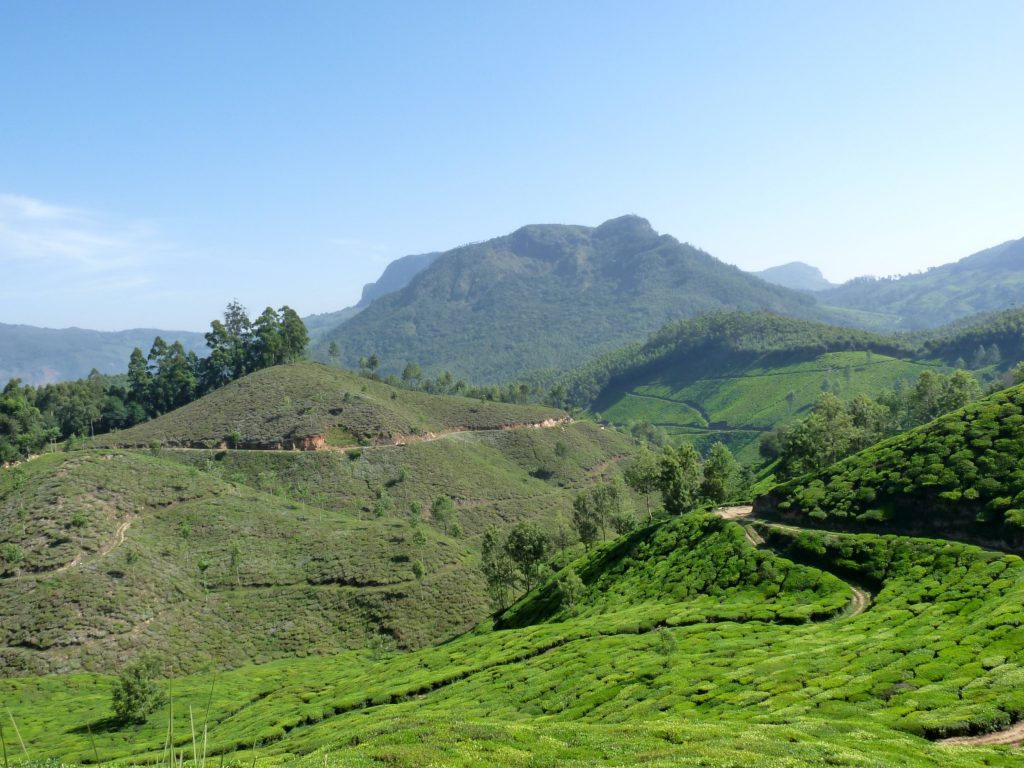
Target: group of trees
513,561
170,377
30,417
834,429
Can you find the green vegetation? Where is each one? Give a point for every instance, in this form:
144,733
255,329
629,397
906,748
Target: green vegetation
308,404
136,693
731,378
547,297
988,281
833,430
222,557
685,646
959,476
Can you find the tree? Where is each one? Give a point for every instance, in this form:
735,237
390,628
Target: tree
11,557
411,373
294,336
442,511
643,475
499,572
526,546
680,478
571,588
720,474
136,692
140,381
334,352
266,347
584,520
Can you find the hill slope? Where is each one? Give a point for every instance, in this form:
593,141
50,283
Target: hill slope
48,355
549,296
686,647
396,275
960,476
988,281
215,558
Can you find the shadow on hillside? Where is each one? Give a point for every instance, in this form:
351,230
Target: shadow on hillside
108,724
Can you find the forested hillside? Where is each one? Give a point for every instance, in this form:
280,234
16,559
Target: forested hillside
991,280
48,355
548,297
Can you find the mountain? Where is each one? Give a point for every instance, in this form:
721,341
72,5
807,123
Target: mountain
47,355
957,477
988,281
549,297
396,275
796,275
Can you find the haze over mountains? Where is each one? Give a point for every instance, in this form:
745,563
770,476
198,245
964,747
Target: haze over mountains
796,275
987,281
47,355
554,296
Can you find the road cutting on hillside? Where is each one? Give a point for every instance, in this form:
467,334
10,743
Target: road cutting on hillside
861,599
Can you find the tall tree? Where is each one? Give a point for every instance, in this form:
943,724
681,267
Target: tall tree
294,336
721,472
526,546
643,475
681,478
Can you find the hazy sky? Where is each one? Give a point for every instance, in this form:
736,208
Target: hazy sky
159,158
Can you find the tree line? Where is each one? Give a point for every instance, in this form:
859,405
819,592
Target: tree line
160,381
834,429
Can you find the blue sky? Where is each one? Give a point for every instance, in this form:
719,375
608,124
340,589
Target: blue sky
158,159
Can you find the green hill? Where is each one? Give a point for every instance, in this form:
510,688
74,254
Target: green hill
548,297
733,377
215,558
959,477
309,405
988,281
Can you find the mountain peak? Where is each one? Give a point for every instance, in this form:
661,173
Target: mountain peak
630,225
796,275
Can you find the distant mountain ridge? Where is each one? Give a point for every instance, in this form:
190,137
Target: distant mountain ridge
987,281
796,275
549,297
46,355
395,276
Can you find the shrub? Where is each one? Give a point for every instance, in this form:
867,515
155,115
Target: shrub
136,692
